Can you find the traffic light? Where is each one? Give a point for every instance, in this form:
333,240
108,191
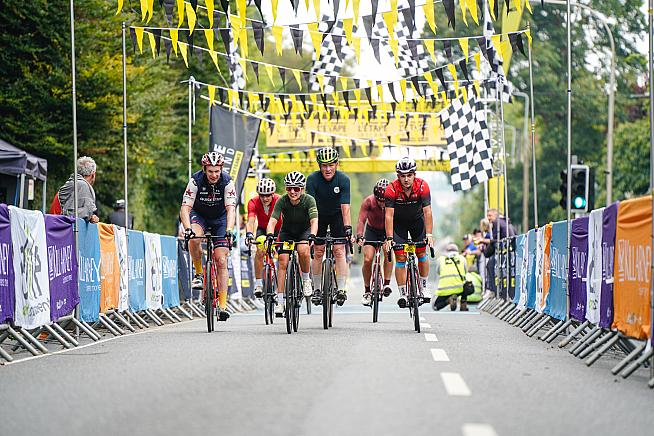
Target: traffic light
563,187
580,186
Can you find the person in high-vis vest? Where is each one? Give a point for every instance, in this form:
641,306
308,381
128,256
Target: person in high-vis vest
451,269
473,277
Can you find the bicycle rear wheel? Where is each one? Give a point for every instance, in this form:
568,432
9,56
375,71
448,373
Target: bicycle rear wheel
267,296
297,299
308,301
289,295
414,298
376,292
326,288
209,292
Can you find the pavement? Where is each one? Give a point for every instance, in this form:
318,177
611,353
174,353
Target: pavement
465,374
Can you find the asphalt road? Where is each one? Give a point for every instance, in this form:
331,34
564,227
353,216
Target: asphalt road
466,374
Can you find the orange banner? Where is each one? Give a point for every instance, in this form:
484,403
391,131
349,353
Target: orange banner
546,262
109,269
632,268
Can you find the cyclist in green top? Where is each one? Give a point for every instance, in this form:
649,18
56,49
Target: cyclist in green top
299,223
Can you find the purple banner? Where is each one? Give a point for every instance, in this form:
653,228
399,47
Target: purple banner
577,268
62,265
609,219
6,268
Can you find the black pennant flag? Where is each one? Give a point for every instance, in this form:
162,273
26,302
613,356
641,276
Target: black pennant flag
393,105
370,147
439,74
295,3
409,20
225,5
330,26
374,5
506,2
447,49
157,40
189,39
241,99
412,12
357,83
356,112
194,4
375,48
132,34
282,74
416,85
296,35
391,88
337,45
367,25
224,35
257,32
448,5
271,125
481,41
333,138
346,97
257,3
168,46
282,98
307,78
313,137
413,46
368,95
255,67
336,7
303,99
464,68
221,95
323,97
516,43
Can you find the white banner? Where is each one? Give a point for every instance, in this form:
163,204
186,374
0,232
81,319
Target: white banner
594,267
540,259
30,268
153,274
524,273
120,235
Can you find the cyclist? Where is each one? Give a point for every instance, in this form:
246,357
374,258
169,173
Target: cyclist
372,216
408,212
331,189
210,201
299,215
259,210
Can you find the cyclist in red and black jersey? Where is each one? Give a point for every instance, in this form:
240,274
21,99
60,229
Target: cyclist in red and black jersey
371,215
408,212
260,209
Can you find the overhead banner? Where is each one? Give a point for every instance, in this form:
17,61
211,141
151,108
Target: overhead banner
120,236
633,257
153,276
594,268
520,272
609,220
89,270
234,136
109,268
6,268
577,267
531,277
62,265
32,286
557,298
136,259
170,283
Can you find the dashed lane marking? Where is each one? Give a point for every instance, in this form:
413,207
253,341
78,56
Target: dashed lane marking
439,355
454,384
425,325
430,337
478,430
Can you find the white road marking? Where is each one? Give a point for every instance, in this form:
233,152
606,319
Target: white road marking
430,337
478,430
422,318
439,355
425,325
454,384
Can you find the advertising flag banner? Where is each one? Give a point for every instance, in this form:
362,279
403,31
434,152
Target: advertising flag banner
532,236
594,269
577,267
540,259
169,271
62,265
557,298
136,259
153,276
609,219
109,268
32,287
520,273
633,257
235,136
6,268
183,271
89,270
120,235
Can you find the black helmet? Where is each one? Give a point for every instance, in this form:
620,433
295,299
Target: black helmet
380,189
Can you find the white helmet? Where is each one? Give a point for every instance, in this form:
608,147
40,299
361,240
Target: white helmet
266,186
295,179
406,165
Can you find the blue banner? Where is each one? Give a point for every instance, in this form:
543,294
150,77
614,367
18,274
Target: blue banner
169,271
557,300
531,278
89,270
519,254
6,268
183,271
136,261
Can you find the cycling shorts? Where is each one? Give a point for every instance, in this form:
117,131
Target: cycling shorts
218,227
285,235
374,235
335,225
401,232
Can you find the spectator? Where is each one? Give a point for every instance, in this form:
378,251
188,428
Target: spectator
83,180
499,221
117,217
451,269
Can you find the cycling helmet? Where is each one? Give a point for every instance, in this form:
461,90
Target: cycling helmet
295,179
213,158
405,165
380,189
266,186
327,155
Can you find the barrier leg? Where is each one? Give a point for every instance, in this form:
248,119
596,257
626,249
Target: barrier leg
499,308
184,312
32,339
573,334
165,314
527,319
586,341
124,322
137,319
86,328
490,303
505,310
539,326
615,337
57,336
196,309
532,322
596,344
637,363
106,323
172,313
651,384
518,315
624,362
155,319
6,355
562,325
508,314
65,334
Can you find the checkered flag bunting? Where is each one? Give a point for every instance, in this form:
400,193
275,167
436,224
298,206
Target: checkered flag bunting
235,69
329,64
502,86
468,143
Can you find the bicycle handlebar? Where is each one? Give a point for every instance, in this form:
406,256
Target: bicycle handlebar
207,237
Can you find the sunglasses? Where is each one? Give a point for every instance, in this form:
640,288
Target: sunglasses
293,189
265,195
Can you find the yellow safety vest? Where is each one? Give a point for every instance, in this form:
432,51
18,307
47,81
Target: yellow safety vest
475,278
450,280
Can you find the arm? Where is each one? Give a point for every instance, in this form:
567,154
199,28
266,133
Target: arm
231,218
388,225
274,217
272,222
251,225
187,204
314,225
345,210
345,201
185,216
86,202
230,206
363,217
429,224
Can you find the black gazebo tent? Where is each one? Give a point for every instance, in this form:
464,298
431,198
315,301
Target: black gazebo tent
15,165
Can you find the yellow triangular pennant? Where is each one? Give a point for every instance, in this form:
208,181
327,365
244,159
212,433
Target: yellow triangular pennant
446,101
209,4
528,33
357,96
529,7
316,37
380,93
243,44
463,42
477,57
153,45
472,7
274,10
277,33
506,49
296,74
241,7
180,13
364,146
208,34
390,18
269,70
120,7
477,87
356,45
244,65
190,17
429,46
464,91
464,10
403,88
346,149
316,7
150,9
496,39
394,48
518,6
314,100
174,36
452,71
212,93
355,10
144,9
139,38
347,27
491,4
343,83
428,7
321,81
214,58
432,84
183,49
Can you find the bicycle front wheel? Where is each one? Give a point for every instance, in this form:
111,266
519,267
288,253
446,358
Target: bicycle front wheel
289,294
209,292
414,299
297,299
267,296
376,295
326,288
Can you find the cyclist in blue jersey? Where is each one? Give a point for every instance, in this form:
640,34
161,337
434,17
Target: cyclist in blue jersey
210,201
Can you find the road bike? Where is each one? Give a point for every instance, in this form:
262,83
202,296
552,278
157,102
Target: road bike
269,280
293,293
377,278
210,282
414,297
328,284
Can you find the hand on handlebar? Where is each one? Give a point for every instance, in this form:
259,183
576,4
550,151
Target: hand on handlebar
249,238
189,233
360,240
388,245
430,241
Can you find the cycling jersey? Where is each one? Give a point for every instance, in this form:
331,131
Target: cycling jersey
296,218
207,200
329,195
372,213
261,213
407,208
